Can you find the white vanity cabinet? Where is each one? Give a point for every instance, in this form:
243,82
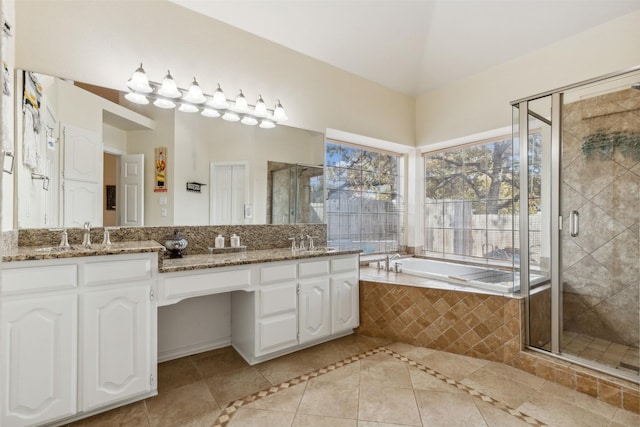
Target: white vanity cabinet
39,341
78,335
293,306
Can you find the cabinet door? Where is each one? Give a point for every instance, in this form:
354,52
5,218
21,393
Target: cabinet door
40,360
344,303
314,309
117,344
277,325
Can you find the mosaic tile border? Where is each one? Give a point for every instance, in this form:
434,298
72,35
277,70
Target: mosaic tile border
232,408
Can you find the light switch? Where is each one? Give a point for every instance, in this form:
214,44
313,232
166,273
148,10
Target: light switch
163,200
163,212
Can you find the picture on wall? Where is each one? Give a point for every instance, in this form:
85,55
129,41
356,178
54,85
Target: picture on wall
161,170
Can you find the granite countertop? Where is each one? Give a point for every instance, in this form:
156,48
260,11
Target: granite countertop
32,253
196,262
165,264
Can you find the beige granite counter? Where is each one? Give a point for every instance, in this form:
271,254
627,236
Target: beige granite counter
196,262
31,253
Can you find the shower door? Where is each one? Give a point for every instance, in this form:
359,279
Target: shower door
600,207
580,221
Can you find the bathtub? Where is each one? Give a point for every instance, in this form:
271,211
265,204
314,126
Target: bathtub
466,275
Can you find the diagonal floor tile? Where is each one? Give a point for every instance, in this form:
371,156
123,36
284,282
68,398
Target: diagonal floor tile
448,409
388,405
246,417
306,420
286,400
236,384
330,399
180,404
390,372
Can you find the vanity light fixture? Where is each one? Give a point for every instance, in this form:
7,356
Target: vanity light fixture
169,95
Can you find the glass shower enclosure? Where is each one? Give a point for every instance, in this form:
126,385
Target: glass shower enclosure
579,155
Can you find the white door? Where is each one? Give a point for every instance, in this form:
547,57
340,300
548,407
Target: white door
132,190
82,154
314,309
80,201
229,193
117,338
81,177
39,339
344,303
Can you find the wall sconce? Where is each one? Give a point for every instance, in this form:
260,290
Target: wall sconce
168,95
45,180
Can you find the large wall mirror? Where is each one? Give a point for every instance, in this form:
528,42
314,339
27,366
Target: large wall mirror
85,153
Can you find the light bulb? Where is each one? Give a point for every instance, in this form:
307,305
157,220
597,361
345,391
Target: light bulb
230,116
249,121
278,113
241,104
137,98
169,88
219,100
267,124
188,108
195,95
210,112
139,81
261,108
164,103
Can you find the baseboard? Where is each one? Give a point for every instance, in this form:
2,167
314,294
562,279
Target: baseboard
176,353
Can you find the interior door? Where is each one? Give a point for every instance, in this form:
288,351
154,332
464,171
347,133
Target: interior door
132,190
229,193
82,177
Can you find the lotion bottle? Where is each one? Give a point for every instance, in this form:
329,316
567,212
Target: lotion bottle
235,241
220,241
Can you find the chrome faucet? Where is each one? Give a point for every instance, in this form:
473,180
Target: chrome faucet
293,244
86,237
388,259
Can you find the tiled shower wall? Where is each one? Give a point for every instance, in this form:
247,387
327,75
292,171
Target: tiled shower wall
601,267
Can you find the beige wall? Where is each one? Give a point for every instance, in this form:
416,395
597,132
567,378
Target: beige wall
481,102
102,42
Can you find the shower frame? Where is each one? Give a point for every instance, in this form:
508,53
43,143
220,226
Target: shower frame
521,131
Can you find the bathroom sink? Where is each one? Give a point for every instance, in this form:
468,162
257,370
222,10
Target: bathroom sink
319,250
53,249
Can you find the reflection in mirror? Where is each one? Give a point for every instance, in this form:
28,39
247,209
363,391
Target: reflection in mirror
86,138
295,193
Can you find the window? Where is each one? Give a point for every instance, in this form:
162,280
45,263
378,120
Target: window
471,197
364,206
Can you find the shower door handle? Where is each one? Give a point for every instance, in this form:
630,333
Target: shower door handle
574,223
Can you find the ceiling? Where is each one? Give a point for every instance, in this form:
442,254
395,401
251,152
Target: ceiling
414,46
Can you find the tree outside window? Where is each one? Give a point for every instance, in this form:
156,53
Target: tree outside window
364,207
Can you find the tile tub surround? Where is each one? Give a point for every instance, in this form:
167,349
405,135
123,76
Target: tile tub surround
440,319
472,324
199,238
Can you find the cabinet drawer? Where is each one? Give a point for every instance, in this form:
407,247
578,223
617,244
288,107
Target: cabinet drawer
28,279
344,264
278,273
117,271
315,268
277,333
277,299
179,287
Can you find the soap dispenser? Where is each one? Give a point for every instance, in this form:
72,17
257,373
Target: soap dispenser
220,241
235,241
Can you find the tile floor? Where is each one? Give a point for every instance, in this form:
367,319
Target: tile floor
619,356
357,381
